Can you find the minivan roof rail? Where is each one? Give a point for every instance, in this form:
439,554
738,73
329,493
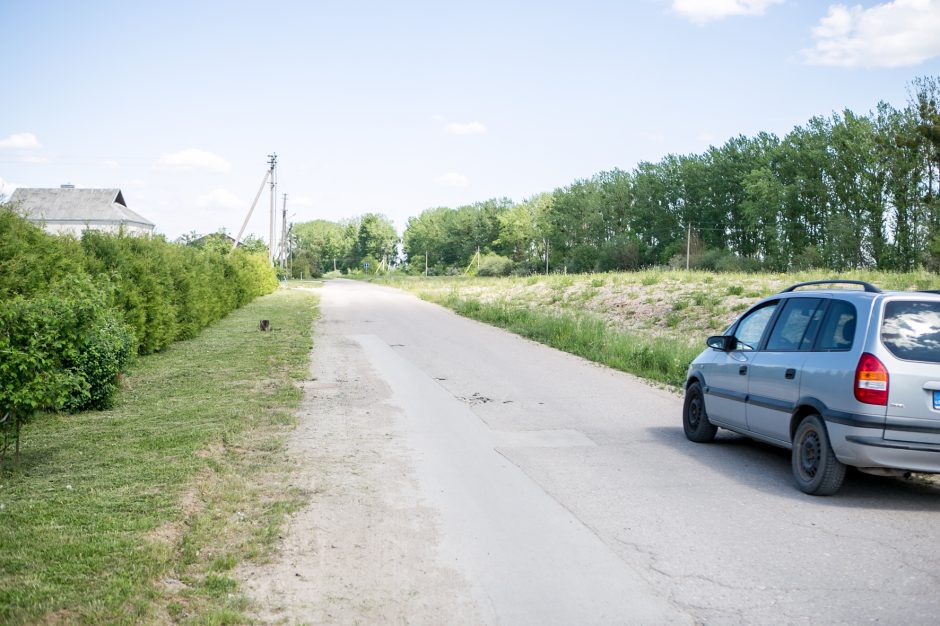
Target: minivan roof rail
868,286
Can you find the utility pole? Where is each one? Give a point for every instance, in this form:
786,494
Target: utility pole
290,253
282,249
546,256
425,263
688,246
272,164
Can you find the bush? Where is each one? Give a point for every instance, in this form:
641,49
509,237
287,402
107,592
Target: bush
494,265
144,288
101,344
31,260
809,258
719,260
73,314
622,253
170,291
582,258
61,349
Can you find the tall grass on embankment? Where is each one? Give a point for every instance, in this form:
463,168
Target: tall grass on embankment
139,513
650,322
655,358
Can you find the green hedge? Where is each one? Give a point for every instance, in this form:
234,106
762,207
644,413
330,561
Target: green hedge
170,291
72,313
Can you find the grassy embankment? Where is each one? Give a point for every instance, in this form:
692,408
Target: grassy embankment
650,323
138,514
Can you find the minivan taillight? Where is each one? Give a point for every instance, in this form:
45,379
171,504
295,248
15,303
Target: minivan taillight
871,381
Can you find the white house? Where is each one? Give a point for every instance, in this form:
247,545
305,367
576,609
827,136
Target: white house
70,211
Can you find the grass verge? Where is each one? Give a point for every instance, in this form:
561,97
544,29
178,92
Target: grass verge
650,322
139,513
655,358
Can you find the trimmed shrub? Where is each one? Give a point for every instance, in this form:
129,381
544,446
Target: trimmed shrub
97,344
140,273
31,260
170,291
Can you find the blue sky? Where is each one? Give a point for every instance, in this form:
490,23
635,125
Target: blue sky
399,107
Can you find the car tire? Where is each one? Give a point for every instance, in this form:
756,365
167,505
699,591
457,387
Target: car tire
694,419
815,467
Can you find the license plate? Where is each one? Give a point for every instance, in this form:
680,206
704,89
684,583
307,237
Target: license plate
936,400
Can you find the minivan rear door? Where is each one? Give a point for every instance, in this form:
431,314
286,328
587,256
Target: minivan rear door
774,374
910,332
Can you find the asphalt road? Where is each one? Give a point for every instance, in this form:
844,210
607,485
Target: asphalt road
566,493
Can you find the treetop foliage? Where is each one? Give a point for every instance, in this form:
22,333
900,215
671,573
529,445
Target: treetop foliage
839,192
320,246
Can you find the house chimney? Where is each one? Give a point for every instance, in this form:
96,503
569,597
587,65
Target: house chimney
67,186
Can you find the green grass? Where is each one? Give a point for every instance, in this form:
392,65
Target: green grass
655,358
669,313
139,513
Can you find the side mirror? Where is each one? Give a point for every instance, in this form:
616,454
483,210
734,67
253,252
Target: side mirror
725,343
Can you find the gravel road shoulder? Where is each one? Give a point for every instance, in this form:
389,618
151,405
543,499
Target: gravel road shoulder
364,550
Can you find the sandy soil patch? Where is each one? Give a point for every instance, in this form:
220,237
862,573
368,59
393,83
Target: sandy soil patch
365,549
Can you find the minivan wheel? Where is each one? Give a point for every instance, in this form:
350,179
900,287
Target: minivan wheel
815,467
694,419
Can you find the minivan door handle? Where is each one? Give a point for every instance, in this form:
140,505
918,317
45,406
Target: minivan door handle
742,370
790,374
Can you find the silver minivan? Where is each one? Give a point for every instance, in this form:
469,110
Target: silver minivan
838,376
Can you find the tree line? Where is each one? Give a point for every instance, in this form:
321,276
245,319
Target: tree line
367,242
839,192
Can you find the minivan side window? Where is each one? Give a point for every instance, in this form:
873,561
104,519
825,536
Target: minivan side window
800,317
751,328
911,330
838,328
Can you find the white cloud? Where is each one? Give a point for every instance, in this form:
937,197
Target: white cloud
701,11
892,34
453,179
193,160
20,141
469,128
109,163
220,200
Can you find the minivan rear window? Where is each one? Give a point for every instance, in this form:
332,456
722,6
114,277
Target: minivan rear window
838,329
911,330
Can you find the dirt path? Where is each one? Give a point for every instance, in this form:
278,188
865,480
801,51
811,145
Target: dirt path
365,549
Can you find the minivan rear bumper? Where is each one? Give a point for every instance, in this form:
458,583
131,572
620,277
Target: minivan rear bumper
862,450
